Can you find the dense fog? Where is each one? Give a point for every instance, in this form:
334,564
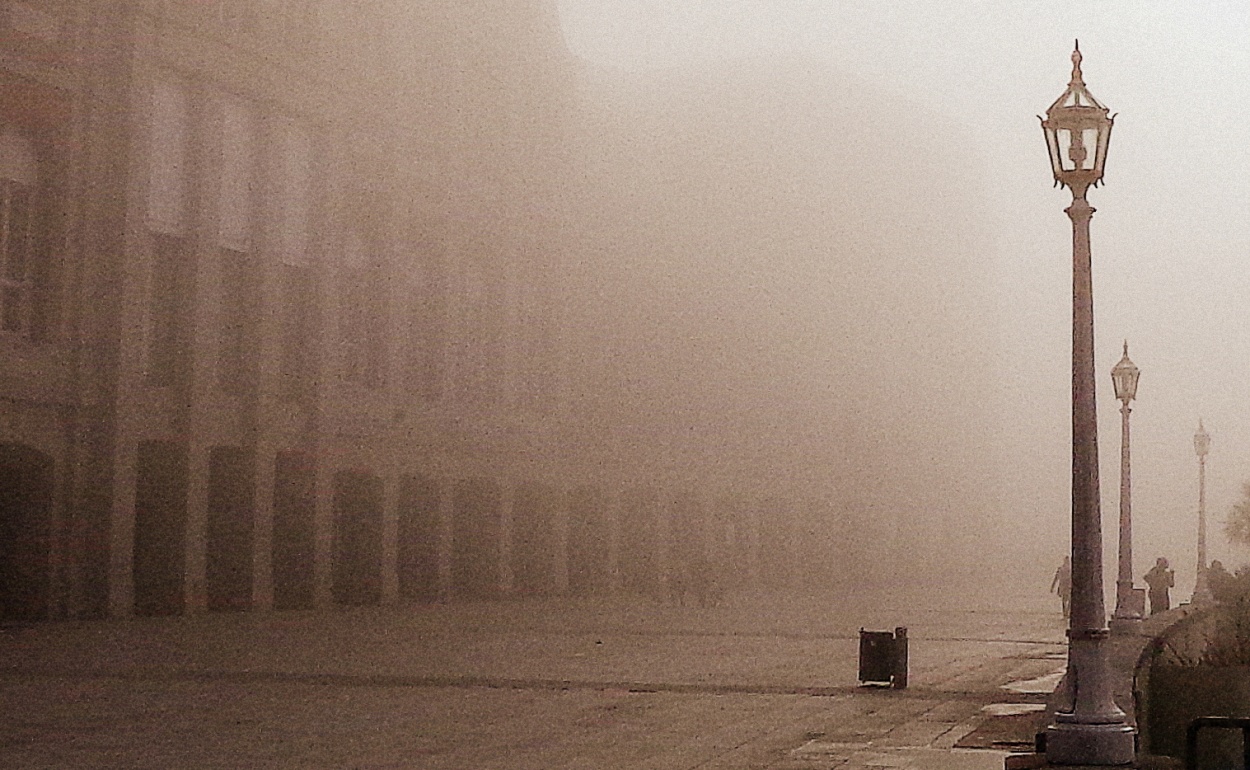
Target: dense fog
825,249
813,255
774,287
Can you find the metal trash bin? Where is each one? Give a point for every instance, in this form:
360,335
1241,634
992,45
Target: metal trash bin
883,657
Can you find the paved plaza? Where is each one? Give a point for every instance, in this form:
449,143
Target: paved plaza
762,682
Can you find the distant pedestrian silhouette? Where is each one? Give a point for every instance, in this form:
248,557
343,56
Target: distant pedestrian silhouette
1222,584
1160,579
1062,585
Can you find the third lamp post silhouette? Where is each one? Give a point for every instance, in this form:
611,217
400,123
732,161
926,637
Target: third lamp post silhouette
1129,602
1202,445
1088,728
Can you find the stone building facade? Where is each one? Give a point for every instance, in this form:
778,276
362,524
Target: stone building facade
278,324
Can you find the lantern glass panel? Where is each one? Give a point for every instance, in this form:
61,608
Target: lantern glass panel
1064,137
1052,144
1104,140
1089,139
1126,384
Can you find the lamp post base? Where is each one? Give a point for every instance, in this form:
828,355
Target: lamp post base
1124,626
1202,590
1069,743
1130,608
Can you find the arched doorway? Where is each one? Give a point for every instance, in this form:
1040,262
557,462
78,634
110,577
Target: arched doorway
25,532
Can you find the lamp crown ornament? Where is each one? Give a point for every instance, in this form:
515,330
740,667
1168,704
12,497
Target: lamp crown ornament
1078,131
1124,376
1202,441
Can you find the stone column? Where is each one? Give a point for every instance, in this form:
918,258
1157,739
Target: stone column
613,501
390,538
262,528
507,506
323,535
560,510
122,530
195,589
1088,728
446,516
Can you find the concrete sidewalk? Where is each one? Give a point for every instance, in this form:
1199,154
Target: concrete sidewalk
767,683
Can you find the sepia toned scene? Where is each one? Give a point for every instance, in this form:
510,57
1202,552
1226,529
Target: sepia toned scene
624,384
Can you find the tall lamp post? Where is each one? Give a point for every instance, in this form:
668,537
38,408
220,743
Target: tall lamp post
1202,445
1088,727
1129,604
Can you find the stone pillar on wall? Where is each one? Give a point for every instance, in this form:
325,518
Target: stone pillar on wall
262,540
323,535
661,542
269,333
195,595
446,513
122,531
507,552
62,559
390,538
203,235
751,523
561,503
613,499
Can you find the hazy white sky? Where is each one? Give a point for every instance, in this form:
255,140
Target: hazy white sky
1171,240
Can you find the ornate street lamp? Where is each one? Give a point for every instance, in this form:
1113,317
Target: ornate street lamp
1202,445
1088,727
1129,603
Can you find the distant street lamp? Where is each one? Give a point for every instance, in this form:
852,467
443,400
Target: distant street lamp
1088,727
1202,445
1129,604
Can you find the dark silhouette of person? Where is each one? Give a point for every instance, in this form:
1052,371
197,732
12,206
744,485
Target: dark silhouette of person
1222,584
1062,585
1160,579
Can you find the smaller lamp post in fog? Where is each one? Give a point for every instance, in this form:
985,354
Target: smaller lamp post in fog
1202,445
1128,603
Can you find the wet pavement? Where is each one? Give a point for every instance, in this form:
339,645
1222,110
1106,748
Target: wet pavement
763,682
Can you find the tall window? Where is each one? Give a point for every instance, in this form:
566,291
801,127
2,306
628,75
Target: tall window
18,182
296,364
240,314
169,317
479,348
169,311
298,308
537,352
427,323
167,152
238,333
362,310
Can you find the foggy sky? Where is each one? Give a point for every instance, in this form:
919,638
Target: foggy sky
1171,239
755,298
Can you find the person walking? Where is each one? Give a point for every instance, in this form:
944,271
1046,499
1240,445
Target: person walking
1160,579
1062,585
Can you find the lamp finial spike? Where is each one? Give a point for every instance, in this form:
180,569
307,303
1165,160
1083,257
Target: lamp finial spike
1076,64
1126,347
